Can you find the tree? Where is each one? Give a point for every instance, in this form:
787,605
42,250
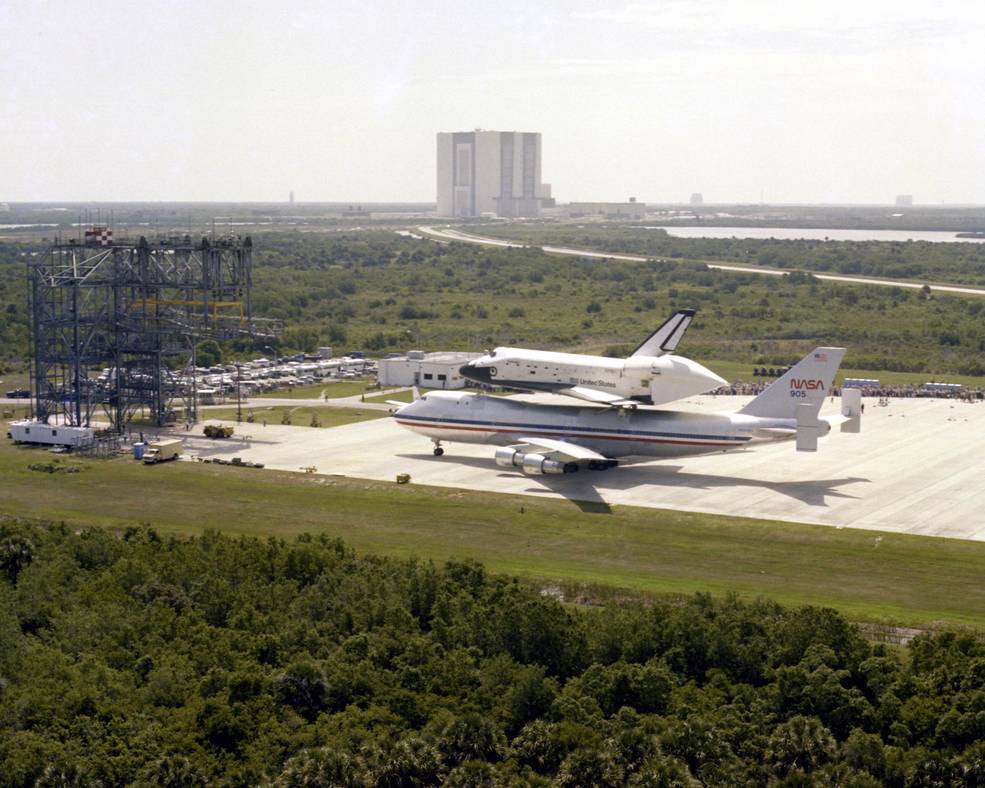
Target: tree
302,338
800,743
322,766
302,687
16,552
208,353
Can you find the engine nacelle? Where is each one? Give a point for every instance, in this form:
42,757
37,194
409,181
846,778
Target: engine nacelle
508,458
531,462
537,464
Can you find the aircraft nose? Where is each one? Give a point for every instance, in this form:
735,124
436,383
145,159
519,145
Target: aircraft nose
472,372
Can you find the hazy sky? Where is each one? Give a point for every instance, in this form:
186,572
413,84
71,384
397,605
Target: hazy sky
802,100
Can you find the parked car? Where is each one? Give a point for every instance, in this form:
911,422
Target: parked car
19,394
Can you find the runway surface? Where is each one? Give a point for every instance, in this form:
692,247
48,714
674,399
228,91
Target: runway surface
916,468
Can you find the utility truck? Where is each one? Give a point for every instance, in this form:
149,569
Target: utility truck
163,450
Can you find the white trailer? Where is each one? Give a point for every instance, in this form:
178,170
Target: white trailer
28,431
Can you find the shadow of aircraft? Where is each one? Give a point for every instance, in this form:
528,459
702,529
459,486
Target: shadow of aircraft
586,488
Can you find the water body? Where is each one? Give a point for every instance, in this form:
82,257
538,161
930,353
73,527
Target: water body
803,233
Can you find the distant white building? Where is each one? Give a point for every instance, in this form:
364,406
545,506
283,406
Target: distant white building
494,173
697,198
904,200
604,210
428,370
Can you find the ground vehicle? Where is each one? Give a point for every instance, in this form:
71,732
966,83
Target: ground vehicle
217,431
163,450
19,394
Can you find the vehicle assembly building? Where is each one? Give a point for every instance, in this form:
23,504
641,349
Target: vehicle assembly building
494,173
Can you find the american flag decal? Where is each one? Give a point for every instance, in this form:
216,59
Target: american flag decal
820,356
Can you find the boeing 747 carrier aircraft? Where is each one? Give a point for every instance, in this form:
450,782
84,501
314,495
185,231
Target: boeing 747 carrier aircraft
652,375
542,438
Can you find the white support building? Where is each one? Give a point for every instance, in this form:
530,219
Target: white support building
490,173
27,431
428,370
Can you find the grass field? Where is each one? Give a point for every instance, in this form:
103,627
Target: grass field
15,411
300,415
14,380
884,577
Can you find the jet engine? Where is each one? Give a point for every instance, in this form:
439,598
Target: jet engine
532,463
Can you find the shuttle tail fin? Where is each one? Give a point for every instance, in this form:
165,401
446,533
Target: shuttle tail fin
666,338
806,383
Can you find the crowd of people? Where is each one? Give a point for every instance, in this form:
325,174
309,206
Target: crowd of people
910,390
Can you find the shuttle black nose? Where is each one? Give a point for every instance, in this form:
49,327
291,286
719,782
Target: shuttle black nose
472,372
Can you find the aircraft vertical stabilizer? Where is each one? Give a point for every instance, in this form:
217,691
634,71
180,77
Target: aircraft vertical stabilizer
666,338
806,383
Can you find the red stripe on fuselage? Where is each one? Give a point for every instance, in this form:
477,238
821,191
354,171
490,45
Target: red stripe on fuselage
543,434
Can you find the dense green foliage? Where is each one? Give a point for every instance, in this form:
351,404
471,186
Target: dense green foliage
132,658
377,291
382,292
927,260
13,305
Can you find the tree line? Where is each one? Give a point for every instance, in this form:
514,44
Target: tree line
135,658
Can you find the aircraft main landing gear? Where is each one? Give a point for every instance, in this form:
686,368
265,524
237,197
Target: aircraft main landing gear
438,451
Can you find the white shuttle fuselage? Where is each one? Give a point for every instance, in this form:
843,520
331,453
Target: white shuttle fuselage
652,375
649,380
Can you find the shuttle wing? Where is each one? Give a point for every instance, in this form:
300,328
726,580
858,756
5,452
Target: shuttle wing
568,451
595,395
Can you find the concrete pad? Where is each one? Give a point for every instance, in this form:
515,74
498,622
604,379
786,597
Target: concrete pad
916,468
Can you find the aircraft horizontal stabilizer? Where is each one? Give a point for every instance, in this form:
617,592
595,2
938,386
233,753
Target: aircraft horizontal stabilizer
808,427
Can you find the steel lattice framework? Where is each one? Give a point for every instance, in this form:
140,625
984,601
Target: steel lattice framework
137,310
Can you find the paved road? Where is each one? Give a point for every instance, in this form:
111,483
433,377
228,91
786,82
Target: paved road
450,234
257,402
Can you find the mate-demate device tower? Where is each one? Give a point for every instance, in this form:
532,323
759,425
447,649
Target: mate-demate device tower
137,308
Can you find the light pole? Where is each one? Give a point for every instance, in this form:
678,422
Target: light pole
239,398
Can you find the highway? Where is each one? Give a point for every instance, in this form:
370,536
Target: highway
450,234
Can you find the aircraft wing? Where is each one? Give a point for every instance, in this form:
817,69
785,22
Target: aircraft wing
595,395
568,451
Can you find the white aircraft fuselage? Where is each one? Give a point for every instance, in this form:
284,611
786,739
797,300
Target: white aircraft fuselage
474,418
650,380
